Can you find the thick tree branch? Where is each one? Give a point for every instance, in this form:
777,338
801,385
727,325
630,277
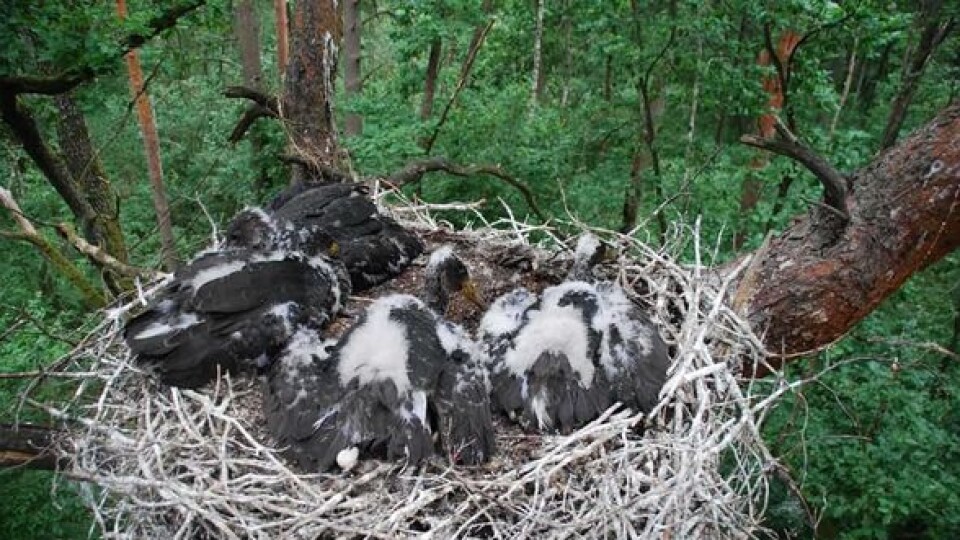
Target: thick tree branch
413,171
263,99
25,129
834,185
77,75
253,113
29,446
904,214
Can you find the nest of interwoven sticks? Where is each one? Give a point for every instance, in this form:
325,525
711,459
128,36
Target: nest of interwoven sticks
163,462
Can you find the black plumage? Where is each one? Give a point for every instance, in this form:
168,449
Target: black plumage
561,358
231,310
400,377
372,246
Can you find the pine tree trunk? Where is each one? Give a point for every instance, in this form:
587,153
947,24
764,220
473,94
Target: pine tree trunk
801,295
309,86
151,146
933,33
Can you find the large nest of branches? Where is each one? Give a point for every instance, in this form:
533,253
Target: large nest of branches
159,462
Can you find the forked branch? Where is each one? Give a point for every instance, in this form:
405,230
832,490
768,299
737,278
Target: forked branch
787,144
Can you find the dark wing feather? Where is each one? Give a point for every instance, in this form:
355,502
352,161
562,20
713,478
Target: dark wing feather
463,413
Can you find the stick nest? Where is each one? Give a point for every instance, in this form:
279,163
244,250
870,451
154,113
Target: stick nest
159,462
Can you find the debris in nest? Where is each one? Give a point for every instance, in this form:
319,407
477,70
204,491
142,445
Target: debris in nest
167,462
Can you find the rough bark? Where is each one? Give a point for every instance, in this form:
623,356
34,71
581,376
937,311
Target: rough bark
353,83
903,217
151,147
315,37
91,180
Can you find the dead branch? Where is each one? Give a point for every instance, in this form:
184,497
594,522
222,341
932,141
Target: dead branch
104,259
415,170
264,106
834,184
461,83
267,101
253,113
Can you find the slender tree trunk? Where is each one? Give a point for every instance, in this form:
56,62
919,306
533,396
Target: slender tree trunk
353,83
538,78
568,54
151,145
283,35
89,177
309,85
933,33
246,26
430,80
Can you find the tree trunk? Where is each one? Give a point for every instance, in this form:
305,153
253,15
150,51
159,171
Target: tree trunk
538,79
151,146
246,27
353,83
430,80
933,33
309,85
91,180
283,35
802,296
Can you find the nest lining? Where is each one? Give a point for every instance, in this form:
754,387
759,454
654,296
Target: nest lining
165,462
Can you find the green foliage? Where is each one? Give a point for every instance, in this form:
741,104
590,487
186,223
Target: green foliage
31,510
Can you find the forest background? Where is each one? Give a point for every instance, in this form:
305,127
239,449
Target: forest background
627,115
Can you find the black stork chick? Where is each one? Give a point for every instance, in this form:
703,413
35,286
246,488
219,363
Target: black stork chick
373,247
233,309
561,359
399,379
